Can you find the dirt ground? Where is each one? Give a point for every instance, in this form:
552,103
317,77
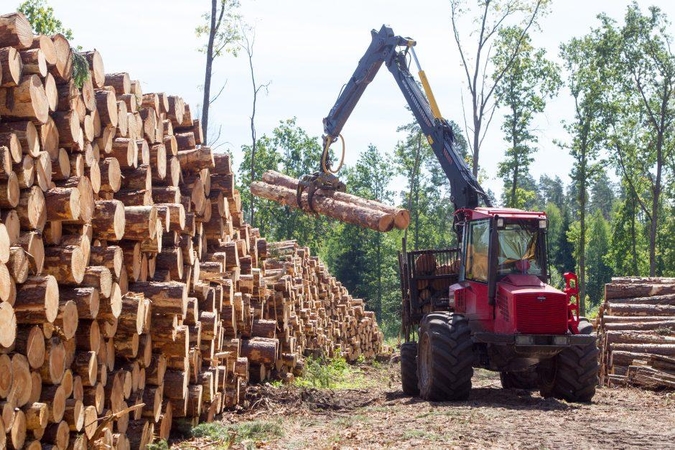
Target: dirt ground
381,416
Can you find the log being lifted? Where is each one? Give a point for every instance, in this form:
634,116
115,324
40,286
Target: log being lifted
401,216
356,211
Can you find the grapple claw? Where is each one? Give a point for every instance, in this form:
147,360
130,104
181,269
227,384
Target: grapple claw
311,183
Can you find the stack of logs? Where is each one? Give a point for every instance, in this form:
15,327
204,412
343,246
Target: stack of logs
636,331
132,293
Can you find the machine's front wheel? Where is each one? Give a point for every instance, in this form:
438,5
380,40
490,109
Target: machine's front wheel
573,375
409,368
445,357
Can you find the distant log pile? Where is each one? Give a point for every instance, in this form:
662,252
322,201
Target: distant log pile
132,293
337,205
636,329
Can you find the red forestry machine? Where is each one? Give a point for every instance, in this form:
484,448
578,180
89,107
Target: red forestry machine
486,303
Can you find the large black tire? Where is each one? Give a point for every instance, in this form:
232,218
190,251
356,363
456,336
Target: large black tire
409,368
573,375
528,379
445,357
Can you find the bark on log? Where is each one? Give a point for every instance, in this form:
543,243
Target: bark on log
34,62
110,256
15,31
194,160
63,203
37,300
640,309
66,263
11,67
27,101
367,218
27,134
109,220
167,298
401,216
86,300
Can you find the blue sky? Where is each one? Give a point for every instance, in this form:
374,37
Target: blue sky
307,49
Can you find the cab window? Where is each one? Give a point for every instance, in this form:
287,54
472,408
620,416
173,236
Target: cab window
477,244
518,250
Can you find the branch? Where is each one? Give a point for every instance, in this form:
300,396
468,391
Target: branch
218,94
630,182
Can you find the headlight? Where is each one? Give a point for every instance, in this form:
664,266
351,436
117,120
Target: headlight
560,340
525,340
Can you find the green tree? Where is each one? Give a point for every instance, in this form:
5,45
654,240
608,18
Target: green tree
602,195
587,130
266,157
291,151
427,195
223,30
599,271
482,79
365,258
41,17
628,246
551,190
529,79
642,66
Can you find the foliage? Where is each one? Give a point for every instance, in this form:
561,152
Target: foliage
482,77
227,29
587,85
291,151
162,444
598,269
641,64
41,17
529,79
324,373
80,69
247,434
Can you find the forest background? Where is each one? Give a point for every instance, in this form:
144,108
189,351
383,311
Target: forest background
611,214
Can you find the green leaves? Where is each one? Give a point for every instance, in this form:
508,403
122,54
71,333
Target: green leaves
41,17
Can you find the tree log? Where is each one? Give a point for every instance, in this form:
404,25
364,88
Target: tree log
66,263
326,205
37,300
11,66
27,134
401,216
109,220
10,191
27,101
622,309
15,31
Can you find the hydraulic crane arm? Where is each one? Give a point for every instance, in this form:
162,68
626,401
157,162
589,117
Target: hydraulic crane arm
384,48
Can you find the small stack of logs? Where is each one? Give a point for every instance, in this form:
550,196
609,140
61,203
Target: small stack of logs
132,293
636,331
335,204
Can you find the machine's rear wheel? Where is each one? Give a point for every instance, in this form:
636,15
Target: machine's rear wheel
409,368
528,379
574,372
445,357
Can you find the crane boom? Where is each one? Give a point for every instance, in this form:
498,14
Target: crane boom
384,48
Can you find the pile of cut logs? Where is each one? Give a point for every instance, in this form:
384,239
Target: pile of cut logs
636,331
132,293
